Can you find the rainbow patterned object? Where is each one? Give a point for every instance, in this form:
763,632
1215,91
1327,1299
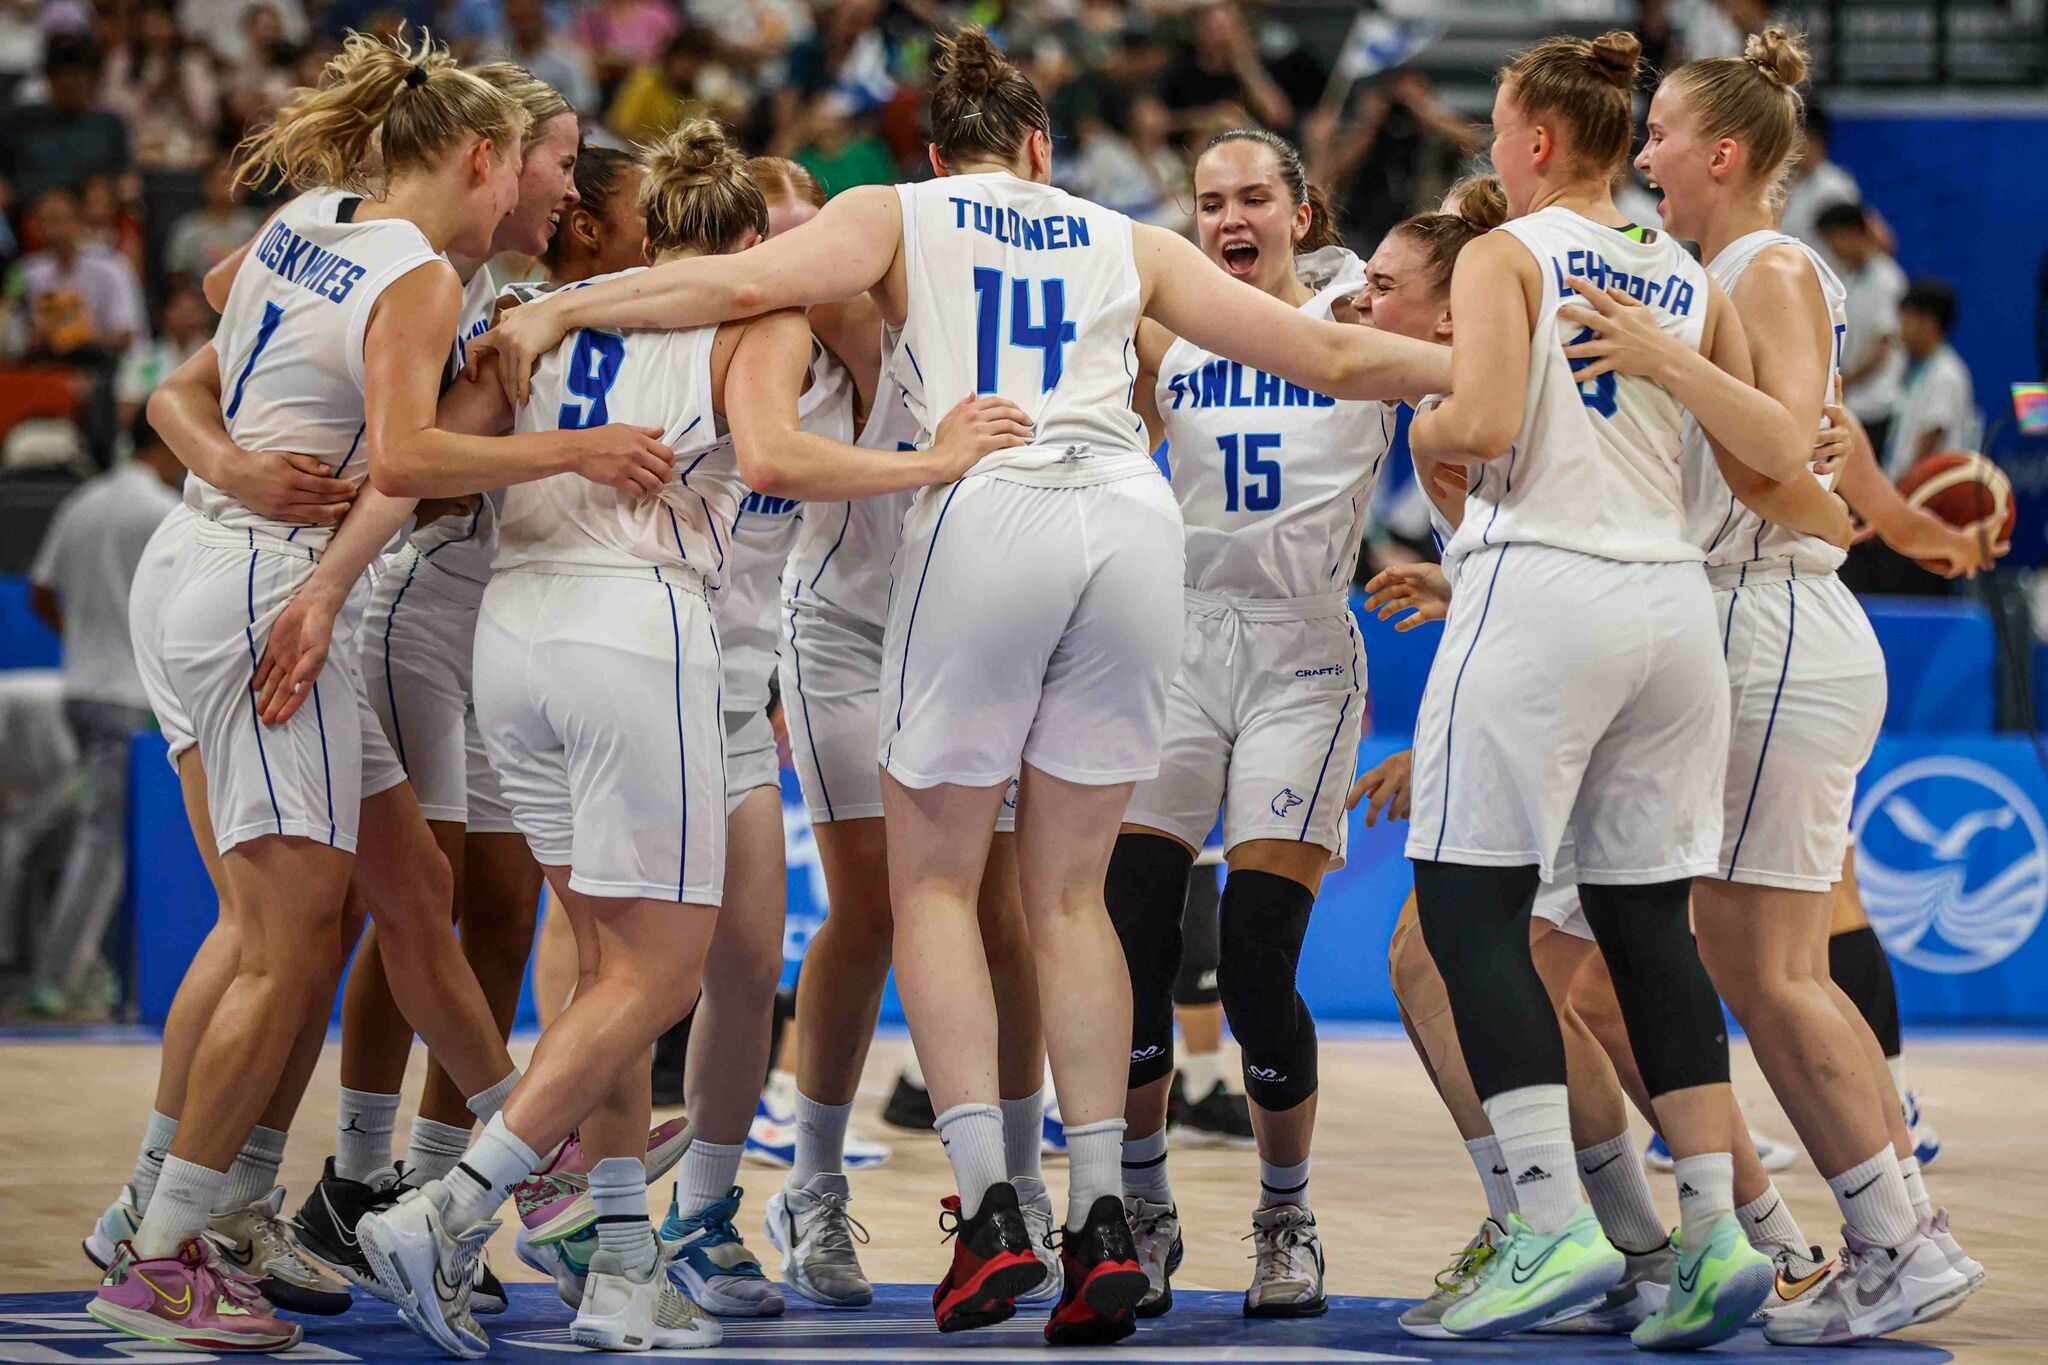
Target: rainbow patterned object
2030,406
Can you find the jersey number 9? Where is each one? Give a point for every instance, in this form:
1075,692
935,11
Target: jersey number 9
593,369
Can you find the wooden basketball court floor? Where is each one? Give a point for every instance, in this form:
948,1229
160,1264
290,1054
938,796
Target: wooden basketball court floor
1393,1191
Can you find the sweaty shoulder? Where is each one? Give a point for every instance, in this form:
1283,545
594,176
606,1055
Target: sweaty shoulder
1780,269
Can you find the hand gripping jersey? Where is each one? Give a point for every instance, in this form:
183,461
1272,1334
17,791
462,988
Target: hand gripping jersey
1272,480
568,524
463,546
843,550
746,610
1729,532
1022,290
291,344
1595,467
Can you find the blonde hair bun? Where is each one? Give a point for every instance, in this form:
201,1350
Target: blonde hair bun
1618,54
1780,54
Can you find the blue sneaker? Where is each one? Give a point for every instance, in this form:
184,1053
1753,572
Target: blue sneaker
1772,1154
771,1141
713,1266
1657,1156
1053,1141
566,1262
1926,1142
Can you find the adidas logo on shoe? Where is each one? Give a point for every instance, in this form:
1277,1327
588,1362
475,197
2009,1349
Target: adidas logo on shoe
1532,1175
1686,1191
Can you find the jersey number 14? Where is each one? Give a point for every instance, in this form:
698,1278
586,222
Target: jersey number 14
1049,338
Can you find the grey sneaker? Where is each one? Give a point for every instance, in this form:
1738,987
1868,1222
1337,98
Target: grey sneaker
1036,1201
1644,1289
1155,1229
623,1314
1968,1266
1453,1282
1800,1276
428,1272
255,1241
1287,1279
815,1234
1877,1290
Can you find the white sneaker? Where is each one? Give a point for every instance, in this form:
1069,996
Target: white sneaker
1155,1230
1877,1290
815,1234
556,1261
1965,1264
428,1273
1036,1202
1799,1279
622,1314
1287,1278
1454,1282
116,1225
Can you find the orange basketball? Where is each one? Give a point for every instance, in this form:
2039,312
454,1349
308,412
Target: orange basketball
1962,488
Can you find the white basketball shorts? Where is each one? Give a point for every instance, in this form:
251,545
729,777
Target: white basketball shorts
1574,695
489,811
309,776
157,575
1262,720
419,644
597,695
750,760
1032,624
1557,899
1806,694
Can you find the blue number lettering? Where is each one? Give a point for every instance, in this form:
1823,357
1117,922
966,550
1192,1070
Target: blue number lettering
593,369
1050,337
1257,485
1597,394
273,313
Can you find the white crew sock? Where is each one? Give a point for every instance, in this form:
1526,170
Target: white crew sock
1770,1226
486,1104
1494,1177
618,1186
185,1196
1706,1192
706,1174
433,1149
1094,1167
1283,1184
820,1139
149,1158
973,1134
1916,1188
1873,1199
1144,1163
913,1073
1200,1074
362,1133
1613,1176
482,1181
1533,1125
254,1172
1023,1135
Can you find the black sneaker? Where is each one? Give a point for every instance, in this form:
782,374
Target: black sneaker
993,1263
1219,1118
909,1106
486,1295
1103,1280
326,1225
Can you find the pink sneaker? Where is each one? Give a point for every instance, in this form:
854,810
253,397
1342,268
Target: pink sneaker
186,1302
555,1204
666,1144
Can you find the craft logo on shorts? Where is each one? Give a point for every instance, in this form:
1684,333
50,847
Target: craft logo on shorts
1952,858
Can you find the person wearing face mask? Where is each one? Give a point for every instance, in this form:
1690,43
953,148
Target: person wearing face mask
1263,720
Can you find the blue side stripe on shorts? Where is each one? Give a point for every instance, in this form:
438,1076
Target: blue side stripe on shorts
337,471
797,657
326,766
390,687
1791,623
1451,720
903,673
1734,596
1337,730
682,758
255,719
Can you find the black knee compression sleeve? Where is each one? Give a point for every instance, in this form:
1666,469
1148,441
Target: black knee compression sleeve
1674,1019
1475,921
1199,926
1857,962
1263,920
1146,889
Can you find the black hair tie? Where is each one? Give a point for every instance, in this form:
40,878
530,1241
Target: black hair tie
415,77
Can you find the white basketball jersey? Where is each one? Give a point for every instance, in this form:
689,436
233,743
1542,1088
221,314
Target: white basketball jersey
463,546
844,550
745,609
1729,532
568,524
1273,479
1022,290
1594,468
290,343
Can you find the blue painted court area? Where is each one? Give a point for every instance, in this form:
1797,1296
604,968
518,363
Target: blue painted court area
48,1329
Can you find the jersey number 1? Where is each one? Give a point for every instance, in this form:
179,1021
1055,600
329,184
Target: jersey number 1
1050,337
593,369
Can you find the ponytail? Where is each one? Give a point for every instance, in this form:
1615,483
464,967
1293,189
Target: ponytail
1753,99
983,107
1585,83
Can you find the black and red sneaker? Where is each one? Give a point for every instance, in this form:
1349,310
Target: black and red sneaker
1103,1281
992,1262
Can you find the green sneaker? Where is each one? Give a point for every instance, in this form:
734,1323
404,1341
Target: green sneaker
1713,1291
1537,1276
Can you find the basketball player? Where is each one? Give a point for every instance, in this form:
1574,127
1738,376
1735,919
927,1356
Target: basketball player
1058,568
1621,759
596,604
286,798
1804,718
1263,717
